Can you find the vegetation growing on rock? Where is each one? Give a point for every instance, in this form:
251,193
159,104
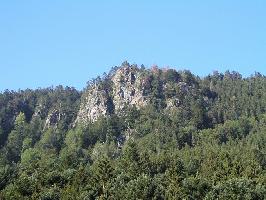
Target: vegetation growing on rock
136,133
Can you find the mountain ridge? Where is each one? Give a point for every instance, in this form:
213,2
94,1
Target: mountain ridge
136,133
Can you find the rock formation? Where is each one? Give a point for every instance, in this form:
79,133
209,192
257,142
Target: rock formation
127,86
96,102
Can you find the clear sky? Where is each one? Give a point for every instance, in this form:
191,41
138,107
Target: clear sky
68,42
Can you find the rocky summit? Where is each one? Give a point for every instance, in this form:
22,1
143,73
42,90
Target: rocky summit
130,86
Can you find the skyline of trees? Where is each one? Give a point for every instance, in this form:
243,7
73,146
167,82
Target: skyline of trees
212,146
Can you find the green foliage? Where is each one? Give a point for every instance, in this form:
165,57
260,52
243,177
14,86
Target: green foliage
172,75
237,189
15,139
208,144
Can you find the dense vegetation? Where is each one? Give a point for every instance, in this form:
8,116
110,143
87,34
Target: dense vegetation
211,147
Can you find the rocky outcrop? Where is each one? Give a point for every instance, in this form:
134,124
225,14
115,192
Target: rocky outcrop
127,90
127,86
96,102
53,118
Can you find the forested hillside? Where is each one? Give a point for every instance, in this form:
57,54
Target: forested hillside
136,133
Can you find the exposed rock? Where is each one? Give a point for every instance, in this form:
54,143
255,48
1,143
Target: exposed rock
53,118
127,88
172,103
96,103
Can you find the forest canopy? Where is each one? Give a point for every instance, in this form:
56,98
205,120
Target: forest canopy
209,144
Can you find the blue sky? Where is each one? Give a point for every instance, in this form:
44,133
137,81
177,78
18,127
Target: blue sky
51,42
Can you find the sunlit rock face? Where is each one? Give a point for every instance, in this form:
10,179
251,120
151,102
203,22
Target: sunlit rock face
126,86
95,104
125,91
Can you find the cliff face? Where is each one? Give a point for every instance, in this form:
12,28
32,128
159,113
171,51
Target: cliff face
95,103
128,86
127,89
